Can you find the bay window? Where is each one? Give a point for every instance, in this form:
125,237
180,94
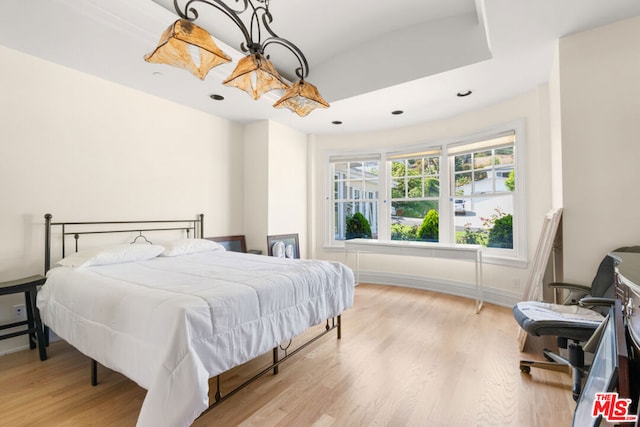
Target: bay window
463,191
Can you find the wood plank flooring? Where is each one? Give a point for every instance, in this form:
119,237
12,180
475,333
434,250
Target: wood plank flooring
407,357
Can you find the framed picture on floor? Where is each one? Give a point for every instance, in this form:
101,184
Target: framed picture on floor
284,246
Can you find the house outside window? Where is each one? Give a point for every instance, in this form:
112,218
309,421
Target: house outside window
415,196
463,191
483,188
356,190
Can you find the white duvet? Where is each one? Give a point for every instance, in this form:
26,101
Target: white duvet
171,323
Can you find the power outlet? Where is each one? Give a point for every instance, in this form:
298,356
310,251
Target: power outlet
19,312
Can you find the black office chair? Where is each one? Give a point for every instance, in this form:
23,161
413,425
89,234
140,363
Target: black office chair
575,320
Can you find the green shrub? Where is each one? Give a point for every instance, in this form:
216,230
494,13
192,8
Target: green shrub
404,232
510,182
429,228
501,235
358,227
471,237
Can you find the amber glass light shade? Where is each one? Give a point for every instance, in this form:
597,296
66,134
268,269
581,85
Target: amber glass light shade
173,49
256,75
302,98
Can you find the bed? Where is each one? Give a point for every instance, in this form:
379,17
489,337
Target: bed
171,316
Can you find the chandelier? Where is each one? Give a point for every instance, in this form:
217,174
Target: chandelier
186,45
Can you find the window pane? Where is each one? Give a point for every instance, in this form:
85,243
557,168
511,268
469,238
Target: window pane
413,198
486,221
355,220
398,168
416,220
505,178
355,194
357,190
482,159
370,169
463,184
463,163
414,188
432,166
483,182
342,190
397,189
340,171
504,156
414,167
355,169
346,191
371,189
431,187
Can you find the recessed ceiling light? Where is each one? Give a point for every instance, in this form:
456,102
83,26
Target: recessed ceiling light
463,94
336,122
397,112
157,73
216,97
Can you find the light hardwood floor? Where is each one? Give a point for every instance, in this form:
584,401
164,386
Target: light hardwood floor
406,358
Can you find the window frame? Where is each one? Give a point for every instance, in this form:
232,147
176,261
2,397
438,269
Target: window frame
471,148
516,257
332,160
431,152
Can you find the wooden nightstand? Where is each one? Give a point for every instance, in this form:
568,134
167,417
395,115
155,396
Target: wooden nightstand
28,286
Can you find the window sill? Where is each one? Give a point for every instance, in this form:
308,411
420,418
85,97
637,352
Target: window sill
492,259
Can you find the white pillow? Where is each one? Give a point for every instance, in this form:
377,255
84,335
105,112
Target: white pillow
77,259
190,246
112,255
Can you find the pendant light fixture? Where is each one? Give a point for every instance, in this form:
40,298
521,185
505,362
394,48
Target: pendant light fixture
186,45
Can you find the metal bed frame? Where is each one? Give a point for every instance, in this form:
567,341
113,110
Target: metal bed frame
192,227
195,226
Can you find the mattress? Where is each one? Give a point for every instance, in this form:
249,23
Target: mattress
171,323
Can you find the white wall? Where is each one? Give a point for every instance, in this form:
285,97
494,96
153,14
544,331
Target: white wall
288,183
275,184
555,125
85,149
256,191
600,109
503,284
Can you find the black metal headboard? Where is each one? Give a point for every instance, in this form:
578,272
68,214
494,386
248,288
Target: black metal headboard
76,229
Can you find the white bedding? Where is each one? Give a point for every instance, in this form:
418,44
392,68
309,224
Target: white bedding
171,323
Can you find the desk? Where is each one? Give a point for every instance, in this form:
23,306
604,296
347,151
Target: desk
420,249
627,265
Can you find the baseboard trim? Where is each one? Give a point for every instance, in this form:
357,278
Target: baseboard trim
14,350
461,289
52,338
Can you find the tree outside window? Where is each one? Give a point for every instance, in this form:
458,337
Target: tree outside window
463,192
355,199
484,185
415,193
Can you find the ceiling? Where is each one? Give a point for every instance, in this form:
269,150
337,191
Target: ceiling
367,58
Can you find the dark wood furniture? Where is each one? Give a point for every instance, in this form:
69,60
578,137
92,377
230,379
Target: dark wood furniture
28,286
231,243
